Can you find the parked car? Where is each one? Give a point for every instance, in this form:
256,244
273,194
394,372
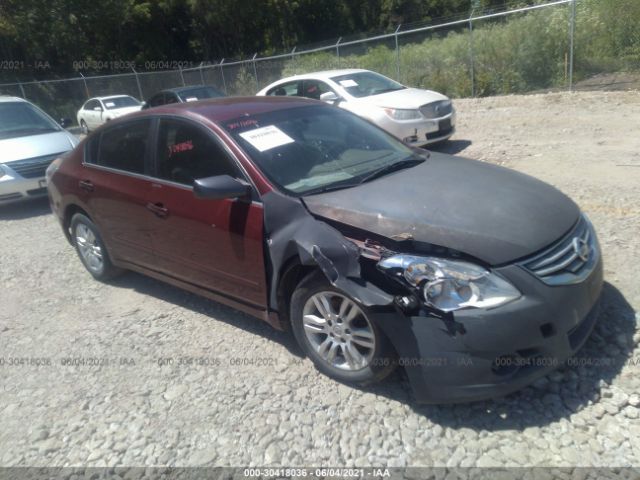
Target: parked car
418,117
29,141
99,110
475,278
182,94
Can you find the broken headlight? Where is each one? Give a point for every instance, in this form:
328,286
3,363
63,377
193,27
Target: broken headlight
450,285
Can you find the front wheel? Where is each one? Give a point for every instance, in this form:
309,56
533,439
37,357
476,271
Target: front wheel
91,249
337,334
84,127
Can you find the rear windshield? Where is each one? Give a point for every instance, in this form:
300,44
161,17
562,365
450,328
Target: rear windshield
120,102
20,119
199,93
305,150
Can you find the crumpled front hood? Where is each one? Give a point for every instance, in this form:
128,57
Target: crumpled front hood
492,213
408,98
32,146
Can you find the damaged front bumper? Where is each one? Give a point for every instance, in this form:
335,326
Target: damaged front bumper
476,354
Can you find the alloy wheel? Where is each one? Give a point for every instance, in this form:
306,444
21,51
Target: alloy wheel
339,331
89,248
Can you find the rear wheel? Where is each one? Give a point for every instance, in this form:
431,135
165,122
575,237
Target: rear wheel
337,333
91,249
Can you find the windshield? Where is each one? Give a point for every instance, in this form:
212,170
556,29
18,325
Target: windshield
365,84
306,150
19,119
199,93
120,102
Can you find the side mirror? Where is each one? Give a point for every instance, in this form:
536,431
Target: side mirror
219,187
65,122
97,109
330,97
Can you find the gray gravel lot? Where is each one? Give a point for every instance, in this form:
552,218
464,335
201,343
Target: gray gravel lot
253,400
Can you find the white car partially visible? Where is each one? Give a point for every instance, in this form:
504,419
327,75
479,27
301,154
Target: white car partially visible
99,110
418,117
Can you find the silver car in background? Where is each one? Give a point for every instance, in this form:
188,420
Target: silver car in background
29,141
417,117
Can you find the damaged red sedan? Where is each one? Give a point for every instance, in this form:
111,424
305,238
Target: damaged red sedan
474,278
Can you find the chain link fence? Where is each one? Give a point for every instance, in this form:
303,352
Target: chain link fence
488,53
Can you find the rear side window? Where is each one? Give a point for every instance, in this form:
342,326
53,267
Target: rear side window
91,150
125,147
186,153
156,100
170,98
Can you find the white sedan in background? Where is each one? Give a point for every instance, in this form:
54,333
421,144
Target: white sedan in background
99,110
418,117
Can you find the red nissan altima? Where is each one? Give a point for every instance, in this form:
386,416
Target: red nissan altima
474,278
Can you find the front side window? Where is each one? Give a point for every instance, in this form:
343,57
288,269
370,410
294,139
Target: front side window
20,119
305,150
91,104
365,84
187,153
125,146
315,88
287,90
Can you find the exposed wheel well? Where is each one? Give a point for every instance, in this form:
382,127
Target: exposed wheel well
69,212
290,276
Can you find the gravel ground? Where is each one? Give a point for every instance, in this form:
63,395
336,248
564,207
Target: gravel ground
250,399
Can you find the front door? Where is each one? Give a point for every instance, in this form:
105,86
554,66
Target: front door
214,244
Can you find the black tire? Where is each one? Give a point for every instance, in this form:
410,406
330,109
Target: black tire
84,127
106,270
383,357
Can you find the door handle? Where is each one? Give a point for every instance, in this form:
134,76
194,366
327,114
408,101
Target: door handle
158,209
86,185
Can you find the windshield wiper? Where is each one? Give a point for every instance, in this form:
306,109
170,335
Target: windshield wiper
330,188
393,167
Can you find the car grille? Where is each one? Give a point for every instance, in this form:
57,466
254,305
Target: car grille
32,167
436,109
568,261
10,196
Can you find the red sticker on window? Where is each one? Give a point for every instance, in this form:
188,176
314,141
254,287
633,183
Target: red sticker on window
180,147
242,123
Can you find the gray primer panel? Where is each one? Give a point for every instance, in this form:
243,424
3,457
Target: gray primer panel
492,213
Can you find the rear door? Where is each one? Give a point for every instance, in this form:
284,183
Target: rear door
215,244
115,186
89,114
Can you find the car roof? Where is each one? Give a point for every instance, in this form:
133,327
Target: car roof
8,98
109,97
187,88
323,75
222,109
